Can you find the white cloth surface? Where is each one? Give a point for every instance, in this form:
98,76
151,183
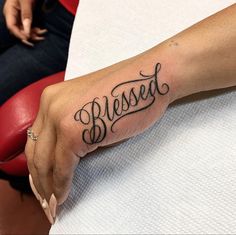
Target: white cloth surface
180,175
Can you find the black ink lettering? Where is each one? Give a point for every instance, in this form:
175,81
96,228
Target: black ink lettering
125,99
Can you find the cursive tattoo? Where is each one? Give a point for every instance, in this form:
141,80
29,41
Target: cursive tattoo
125,98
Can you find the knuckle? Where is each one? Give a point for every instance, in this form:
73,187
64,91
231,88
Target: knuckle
46,94
45,99
62,179
68,134
42,165
26,14
49,91
38,164
53,109
63,126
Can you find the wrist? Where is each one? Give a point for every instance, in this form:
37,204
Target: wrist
173,72
180,69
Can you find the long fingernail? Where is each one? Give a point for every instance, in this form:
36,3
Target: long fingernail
27,43
47,211
42,31
53,205
27,25
38,38
37,195
43,202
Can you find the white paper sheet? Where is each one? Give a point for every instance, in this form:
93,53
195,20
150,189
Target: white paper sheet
180,175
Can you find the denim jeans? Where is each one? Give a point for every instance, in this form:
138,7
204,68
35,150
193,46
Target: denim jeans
21,65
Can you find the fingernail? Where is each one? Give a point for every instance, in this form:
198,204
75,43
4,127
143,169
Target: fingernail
53,205
47,211
27,25
44,204
27,43
37,195
37,38
42,31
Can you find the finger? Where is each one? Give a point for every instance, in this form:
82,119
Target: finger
30,155
35,191
11,22
35,37
30,147
39,31
43,160
26,15
64,165
26,42
43,202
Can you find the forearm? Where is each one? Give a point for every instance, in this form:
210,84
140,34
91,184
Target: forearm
205,54
202,57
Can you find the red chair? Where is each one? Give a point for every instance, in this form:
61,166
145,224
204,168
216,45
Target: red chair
16,115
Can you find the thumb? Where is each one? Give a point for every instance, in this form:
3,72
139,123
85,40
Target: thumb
26,7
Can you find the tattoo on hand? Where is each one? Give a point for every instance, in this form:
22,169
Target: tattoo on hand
125,99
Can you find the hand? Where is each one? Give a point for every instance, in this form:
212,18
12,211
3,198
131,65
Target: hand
113,104
70,124
19,16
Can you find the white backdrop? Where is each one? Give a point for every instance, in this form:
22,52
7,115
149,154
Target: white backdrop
180,175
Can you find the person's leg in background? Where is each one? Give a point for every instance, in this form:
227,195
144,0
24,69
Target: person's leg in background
21,65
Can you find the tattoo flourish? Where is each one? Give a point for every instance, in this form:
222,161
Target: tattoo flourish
125,99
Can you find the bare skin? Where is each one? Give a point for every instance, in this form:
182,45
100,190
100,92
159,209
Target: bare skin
102,108
19,16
